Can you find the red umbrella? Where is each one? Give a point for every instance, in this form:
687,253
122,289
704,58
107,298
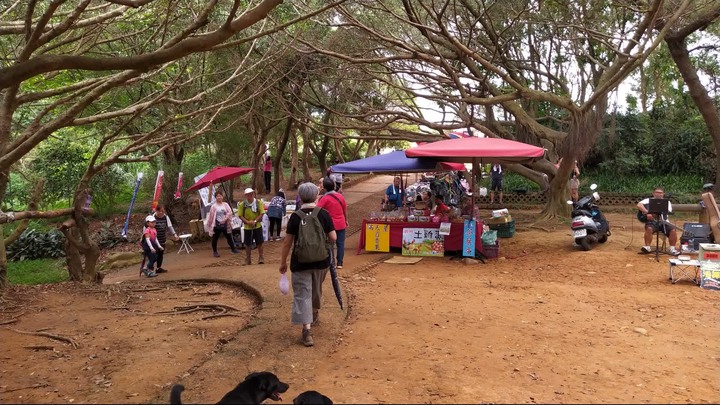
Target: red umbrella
219,174
473,149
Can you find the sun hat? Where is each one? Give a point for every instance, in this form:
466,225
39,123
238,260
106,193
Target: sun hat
150,218
249,190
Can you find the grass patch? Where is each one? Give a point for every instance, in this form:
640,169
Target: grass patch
40,271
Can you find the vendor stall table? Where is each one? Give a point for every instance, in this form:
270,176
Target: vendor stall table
453,242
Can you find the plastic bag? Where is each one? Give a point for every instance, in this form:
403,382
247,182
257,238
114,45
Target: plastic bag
489,237
284,284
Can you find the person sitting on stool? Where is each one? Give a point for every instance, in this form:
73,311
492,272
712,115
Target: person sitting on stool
660,224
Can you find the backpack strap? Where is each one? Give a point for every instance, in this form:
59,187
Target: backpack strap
339,202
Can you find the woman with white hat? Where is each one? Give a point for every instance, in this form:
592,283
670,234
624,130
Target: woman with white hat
251,212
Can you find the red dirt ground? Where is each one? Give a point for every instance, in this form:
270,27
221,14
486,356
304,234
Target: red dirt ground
543,323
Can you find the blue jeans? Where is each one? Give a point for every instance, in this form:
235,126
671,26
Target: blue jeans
340,246
151,257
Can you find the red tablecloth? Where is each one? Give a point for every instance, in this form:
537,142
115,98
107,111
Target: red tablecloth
453,242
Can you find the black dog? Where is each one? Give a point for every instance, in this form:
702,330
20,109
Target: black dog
312,397
256,388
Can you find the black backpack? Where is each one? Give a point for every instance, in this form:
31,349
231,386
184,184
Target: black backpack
311,241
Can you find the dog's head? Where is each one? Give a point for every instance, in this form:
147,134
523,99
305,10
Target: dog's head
312,397
269,384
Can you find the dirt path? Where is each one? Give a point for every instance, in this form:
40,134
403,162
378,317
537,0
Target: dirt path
544,323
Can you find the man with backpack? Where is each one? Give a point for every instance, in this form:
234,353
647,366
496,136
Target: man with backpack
309,232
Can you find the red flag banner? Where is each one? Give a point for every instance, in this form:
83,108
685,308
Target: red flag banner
179,186
158,189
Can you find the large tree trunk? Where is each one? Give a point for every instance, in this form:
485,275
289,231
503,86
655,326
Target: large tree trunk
81,252
307,176
3,261
173,158
282,144
681,57
294,161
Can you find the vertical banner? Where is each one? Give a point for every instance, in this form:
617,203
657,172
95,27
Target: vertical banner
377,238
132,202
469,238
179,187
158,189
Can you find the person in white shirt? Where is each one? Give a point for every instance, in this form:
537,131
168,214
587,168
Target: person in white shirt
656,223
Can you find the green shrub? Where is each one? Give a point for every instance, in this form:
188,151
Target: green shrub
33,244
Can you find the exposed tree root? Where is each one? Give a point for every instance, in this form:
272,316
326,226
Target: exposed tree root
39,347
64,339
219,315
43,385
148,289
222,310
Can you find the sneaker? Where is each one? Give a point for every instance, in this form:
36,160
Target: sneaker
149,273
307,338
261,260
216,254
160,270
674,251
646,249
339,266
235,251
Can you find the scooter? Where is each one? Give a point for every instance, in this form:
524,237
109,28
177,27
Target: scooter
589,225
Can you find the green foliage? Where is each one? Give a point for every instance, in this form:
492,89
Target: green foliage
108,186
34,244
16,195
512,181
62,164
40,271
108,237
668,140
685,188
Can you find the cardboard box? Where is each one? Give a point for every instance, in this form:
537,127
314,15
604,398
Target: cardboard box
499,220
500,213
709,252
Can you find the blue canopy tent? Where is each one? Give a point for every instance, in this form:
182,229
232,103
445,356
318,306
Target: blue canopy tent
394,162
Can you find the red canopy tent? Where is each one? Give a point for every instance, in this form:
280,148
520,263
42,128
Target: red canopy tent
478,150
218,174
474,149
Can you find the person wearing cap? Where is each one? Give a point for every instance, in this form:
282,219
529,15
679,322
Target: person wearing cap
276,211
163,226
150,246
219,221
251,212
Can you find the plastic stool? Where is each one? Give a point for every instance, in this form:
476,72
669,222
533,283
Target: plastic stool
185,239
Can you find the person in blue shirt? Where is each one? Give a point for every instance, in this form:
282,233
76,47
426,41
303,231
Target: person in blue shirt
394,194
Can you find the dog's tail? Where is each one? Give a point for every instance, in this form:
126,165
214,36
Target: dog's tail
175,394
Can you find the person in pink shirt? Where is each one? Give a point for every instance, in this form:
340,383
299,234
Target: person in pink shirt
268,173
334,203
150,246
